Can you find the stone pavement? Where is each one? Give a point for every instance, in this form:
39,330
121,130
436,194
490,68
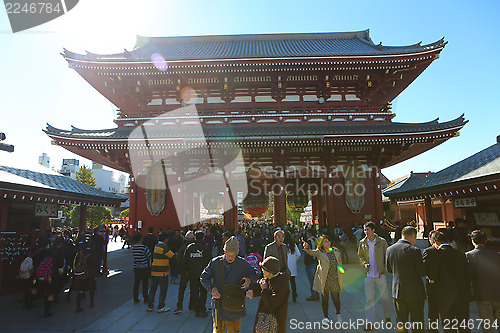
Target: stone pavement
116,312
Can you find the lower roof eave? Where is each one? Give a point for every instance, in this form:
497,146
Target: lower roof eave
493,181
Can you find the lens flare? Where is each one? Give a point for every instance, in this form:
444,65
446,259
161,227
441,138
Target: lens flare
188,95
341,269
159,62
330,249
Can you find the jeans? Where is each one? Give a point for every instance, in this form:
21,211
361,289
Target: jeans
371,297
198,294
156,281
141,275
182,289
311,271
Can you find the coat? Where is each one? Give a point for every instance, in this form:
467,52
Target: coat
452,276
322,269
380,250
484,268
273,299
404,261
292,260
271,250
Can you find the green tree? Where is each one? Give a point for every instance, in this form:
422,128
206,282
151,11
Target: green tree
95,216
123,214
86,176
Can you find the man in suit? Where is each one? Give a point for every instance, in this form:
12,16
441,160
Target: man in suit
150,240
429,258
452,283
484,267
404,260
278,250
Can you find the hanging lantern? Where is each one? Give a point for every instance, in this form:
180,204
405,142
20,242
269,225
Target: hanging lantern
213,202
256,204
297,201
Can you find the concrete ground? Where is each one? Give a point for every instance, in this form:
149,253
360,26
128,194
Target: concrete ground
115,310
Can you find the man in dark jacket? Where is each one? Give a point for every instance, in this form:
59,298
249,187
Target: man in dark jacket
235,271
196,258
484,266
452,282
150,240
184,278
429,257
404,260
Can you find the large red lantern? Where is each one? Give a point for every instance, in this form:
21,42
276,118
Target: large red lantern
256,204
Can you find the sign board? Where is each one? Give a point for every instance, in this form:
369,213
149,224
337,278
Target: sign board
45,209
465,202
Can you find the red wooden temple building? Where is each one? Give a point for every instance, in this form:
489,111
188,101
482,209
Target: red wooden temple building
301,110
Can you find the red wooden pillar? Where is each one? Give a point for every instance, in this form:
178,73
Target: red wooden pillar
314,199
280,203
330,202
83,218
377,195
428,222
44,225
397,210
196,208
321,209
230,213
132,210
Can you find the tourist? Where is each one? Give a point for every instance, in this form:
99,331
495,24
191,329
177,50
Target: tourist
460,236
142,263
225,275
293,255
404,261
184,277
278,250
150,240
195,259
371,253
311,263
429,258
328,279
452,281
273,291
159,273
484,265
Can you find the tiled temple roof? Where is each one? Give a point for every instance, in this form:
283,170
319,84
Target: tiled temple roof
259,46
49,182
480,166
256,131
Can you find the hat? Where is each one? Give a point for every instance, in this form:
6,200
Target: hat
232,245
271,264
189,235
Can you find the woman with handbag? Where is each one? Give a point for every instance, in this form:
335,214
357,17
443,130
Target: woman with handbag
273,306
328,278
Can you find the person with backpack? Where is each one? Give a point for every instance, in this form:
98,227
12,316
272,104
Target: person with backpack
293,255
45,276
85,269
27,273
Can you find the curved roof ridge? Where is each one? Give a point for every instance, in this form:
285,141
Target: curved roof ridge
362,34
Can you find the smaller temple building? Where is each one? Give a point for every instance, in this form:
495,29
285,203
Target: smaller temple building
29,197
469,189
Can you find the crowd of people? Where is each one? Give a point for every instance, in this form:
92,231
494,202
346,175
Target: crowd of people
260,260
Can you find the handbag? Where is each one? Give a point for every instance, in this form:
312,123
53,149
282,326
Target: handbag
266,323
232,296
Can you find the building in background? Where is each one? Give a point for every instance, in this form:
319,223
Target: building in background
44,160
70,167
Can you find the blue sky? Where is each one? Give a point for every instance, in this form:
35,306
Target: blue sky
37,87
